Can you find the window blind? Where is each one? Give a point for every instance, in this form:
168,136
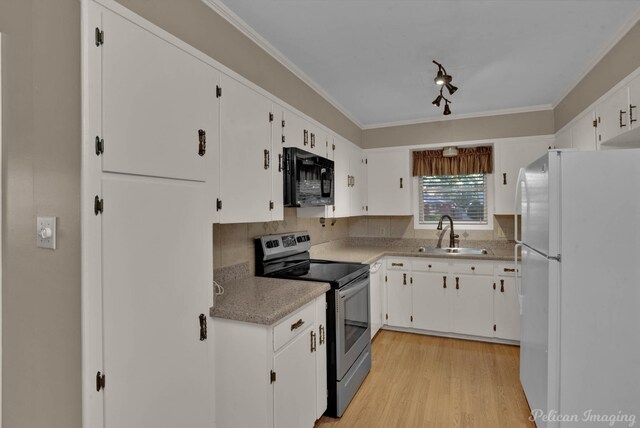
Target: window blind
463,197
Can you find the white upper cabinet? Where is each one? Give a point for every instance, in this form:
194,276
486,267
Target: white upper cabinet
613,115
341,178
147,130
583,133
294,131
358,184
388,182
246,161
510,157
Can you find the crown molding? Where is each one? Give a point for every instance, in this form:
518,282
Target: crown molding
226,13
502,112
633,20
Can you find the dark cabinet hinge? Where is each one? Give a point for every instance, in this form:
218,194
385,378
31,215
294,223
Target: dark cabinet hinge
99,37
100,381
411,318
99,146
270,117
385,278
272,376
271,205
334,208
494,327
202,142
333,147
98,205
366,161
283,123
595,123
386,316
203,326
218,91
367,208
283,139
218,204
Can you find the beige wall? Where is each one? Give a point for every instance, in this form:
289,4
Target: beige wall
402,227
479,128
234,243
617,64
41,176
197,24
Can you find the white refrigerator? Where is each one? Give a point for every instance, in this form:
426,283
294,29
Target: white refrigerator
580,287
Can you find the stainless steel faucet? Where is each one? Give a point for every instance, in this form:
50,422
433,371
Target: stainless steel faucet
452,235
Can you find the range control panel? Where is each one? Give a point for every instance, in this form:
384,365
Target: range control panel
274,246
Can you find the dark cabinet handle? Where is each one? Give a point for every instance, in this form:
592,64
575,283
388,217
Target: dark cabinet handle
313,341
404,279
401,183
267,159
502,285
457,283
313,140
305,135
296,325
444,282
397,264
202,142
494,285
509,269
279,162
504,178
321,334
622,125
203,326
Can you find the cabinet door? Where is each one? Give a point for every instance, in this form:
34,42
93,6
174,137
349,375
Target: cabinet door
583,133
294,391
634,102
245,150
276,167
388,183
472,305
506,309
375,294
156,255
294,131
155,99
431,301
357,170
399,298
341,178
613,114
512,157
321,356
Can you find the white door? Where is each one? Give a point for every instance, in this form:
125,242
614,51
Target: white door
613,114
472,305
156,98
245,154
583,133
321,356
512,157
506,309
399,298
341,179
156,255
294,390
388,183
431,301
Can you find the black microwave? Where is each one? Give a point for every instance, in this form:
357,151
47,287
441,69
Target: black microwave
308,179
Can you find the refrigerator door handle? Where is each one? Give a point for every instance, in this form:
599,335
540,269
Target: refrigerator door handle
516,204
518,284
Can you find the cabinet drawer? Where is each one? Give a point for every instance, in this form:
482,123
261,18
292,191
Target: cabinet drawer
293,325
394,263
425,265
473,268
507,269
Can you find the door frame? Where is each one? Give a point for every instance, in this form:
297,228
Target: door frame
1,236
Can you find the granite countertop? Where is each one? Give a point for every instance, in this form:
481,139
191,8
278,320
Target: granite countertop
265,301
365,251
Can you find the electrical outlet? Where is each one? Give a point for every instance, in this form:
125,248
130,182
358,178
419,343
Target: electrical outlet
46,233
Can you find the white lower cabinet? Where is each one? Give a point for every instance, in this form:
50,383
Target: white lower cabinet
471,298
272,376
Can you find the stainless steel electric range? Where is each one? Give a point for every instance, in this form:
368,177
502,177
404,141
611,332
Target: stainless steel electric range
348,315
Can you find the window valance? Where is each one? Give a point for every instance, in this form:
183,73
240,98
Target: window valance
471,160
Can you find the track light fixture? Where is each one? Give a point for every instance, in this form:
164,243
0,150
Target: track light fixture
443,80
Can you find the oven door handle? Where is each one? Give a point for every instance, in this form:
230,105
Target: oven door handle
353,289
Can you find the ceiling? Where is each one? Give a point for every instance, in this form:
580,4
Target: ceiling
372,58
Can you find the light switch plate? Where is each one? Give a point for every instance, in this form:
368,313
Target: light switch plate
46,232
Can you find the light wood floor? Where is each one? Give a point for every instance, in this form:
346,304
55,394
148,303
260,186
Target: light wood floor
423,381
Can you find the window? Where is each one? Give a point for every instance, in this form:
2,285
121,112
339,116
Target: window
463,197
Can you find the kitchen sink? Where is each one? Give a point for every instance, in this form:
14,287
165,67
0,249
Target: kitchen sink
447,250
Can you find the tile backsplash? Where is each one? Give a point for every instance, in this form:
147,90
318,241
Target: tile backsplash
234,243
402,227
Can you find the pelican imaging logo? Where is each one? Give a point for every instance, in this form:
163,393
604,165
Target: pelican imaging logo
589,416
